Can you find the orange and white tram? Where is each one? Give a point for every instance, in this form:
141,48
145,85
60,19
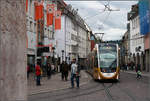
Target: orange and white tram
103,61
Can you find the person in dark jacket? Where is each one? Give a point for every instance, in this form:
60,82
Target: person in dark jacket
48,71
65,70
62,70
138,67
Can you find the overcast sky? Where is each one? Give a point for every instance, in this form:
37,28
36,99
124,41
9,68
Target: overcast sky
113,23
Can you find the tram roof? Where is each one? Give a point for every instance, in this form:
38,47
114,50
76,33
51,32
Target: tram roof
107,43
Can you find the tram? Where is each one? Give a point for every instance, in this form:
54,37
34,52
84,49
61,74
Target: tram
103,61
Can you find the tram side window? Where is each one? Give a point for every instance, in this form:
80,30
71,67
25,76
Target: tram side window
95,60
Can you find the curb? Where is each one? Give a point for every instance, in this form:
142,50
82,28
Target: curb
145,75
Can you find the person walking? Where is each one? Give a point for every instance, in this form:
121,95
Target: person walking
74,74
62,70
132,65
123,67
38,74
139,74
48,71
65,70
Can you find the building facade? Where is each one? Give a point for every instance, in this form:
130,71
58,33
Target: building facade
31,34
147,52
125,47
136,39
144,15
71,41
39,35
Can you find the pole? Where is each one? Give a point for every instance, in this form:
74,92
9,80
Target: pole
149,50
65,38
36,42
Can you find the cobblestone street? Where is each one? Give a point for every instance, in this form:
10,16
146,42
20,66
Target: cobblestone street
53,84
128,89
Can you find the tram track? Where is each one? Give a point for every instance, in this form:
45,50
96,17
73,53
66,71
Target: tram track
83,93
69,92
107,91
111,90
110,96
127,92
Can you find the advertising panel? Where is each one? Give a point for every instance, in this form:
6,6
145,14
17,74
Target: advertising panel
144,16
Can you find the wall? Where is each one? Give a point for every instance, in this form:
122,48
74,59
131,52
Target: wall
146,42
31,36
135,37
13,81
82,44
60,37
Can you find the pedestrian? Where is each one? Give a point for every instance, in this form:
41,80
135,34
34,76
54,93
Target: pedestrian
138,71
126,66
138,67
78,74
65,70
132,65
123,67
38,74
62,70
74,73
139,74
53,68
28,71
48,71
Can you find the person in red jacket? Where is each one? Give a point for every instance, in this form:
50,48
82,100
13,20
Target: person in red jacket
38,74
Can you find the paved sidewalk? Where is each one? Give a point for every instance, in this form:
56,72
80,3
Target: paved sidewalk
55,83
147,74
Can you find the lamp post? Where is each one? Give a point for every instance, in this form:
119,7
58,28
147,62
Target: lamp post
53,50
62,55
69,57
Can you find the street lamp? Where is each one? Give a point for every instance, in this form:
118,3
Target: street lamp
69,57
62,55
53,49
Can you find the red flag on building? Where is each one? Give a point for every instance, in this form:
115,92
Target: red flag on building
39,14
57,20
26,5
92,44
50,13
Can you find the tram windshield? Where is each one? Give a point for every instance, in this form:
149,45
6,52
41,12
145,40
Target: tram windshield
108,56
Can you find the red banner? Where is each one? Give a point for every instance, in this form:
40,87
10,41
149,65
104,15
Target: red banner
39,14
57,20
50,13
26,5
92,44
